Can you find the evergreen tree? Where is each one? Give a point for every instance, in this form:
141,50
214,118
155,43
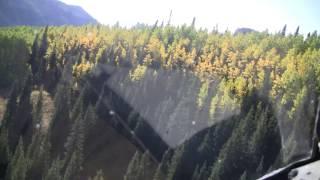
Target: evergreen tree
73,168
234,156
266,139
98,176
53,74
21,124
77,108
260,170
11,108
39,155
4,153
18,166
60,123
174,163
193,22
244,176
163,167
159,175
40,75
54,173
74,146
25,112
146,166
90,119
38,112
204,172
44,43
284,30
195,175
297,31
133,170
34,57
201,173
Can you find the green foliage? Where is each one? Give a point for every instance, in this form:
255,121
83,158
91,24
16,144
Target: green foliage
174,162
255,82
244,176
138,73
54,172
60,124
13,58
18,166
98,176
133,171
4,152
203,93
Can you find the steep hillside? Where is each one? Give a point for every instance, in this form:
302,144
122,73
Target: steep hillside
41,12
191,104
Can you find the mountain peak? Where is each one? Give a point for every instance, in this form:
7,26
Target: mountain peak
42,12
244,30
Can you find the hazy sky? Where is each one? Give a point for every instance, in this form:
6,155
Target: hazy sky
256,14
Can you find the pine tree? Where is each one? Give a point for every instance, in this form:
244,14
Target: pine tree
39,155
98,176
44,43
133,170
193,22
74,144
77,108
266,139
204,172
260,170
18,166
4,153
34,57
146,166
21,124
90,119
159,175
74,149
40,75
244,176
174,163
201,173
234,157
53,74
72,169
60,124
196,175
11,108
25,112
163,167
54,173
100,106
284,30
297,31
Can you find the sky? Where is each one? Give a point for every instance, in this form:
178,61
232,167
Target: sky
227,14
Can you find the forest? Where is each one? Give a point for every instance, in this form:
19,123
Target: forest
154,102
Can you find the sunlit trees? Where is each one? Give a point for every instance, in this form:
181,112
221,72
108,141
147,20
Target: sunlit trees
180,78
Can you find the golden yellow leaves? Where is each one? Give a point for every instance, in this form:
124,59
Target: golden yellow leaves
138,73
82,69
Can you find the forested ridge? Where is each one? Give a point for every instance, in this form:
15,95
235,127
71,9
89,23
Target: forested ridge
181,103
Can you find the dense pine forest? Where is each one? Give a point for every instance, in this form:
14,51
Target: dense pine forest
154,102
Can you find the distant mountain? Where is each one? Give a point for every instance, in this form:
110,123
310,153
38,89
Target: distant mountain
244,31
41,12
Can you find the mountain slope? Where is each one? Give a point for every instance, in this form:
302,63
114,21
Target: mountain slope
41,12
